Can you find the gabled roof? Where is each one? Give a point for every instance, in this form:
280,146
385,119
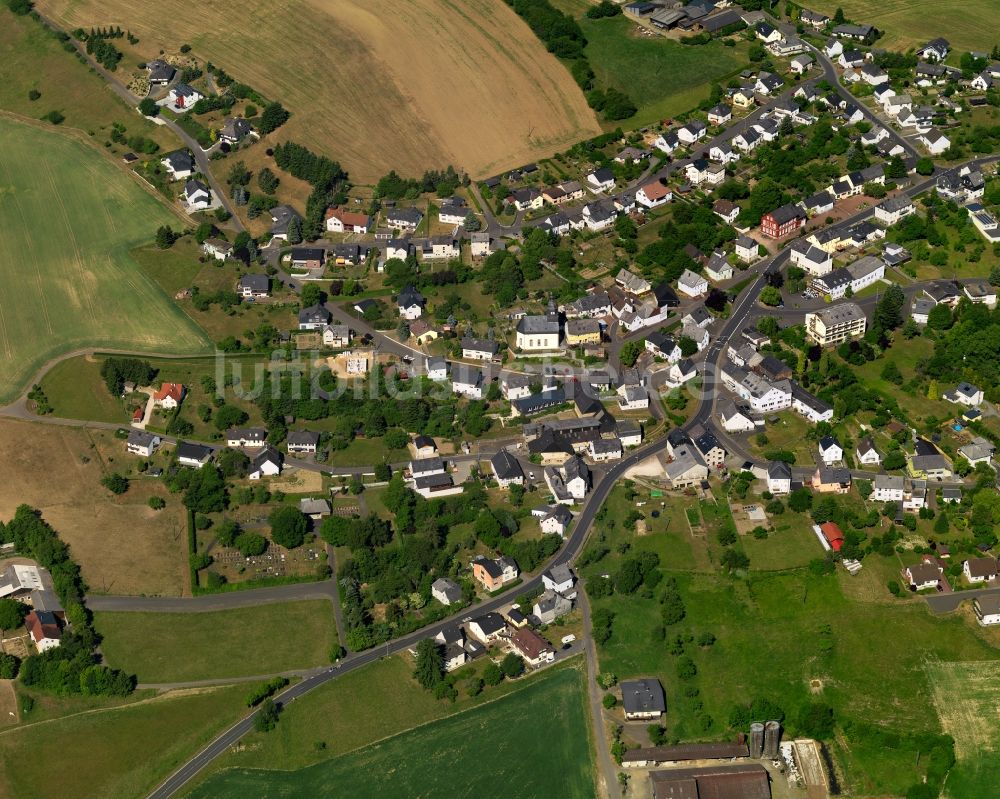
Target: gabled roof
505,466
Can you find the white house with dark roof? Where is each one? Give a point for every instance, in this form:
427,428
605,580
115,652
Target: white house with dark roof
692,284
266,463
410,303
964,394
141,443
197,196
779,477
506,469
179,164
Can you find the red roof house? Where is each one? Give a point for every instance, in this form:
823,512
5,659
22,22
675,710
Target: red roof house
834,535
169,395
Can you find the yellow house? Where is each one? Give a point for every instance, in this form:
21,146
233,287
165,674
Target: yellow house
744,97
583,331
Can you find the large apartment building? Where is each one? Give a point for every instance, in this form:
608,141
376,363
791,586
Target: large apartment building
836,324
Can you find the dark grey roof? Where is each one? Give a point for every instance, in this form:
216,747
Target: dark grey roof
409,297
548,323
180,160
192,451
314,314
308,253
786,213
779,470
140,438
255,283
643,696
303,437
480,345
505,466
492,622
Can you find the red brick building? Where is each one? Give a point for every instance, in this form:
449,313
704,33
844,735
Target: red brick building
781,221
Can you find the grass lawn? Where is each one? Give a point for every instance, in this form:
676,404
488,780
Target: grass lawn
174,647
533,742
907,355
908,23
70,219
34,59
663,77
789,433
111,754
770,632
76,391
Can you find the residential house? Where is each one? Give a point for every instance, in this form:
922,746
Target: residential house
737,418
410,303
559,579
653,194
605,449
446,591
643,699
981,292
965,394
926,574
747,249
692,132
582,331
726,210
633,398
467,381
479,349
692,284
893,209
866,454
555,520
506,469
336,336
340,220
307,257
437,368
667,142
219,249
980,570
169,396
254,287
779,477
494,573
602,179
836,324
859,33
819,203
830,450
182,97
979,450
570,482
404,218
424,447
248,437
712,452
197,195
935,50
140,442
534,649
782,221
687,467
987,609
887,488
302,442
829,480
234,130
43,627
935,141
194,455
550,606
179,164
812,259
801,63
662,346
267,463
720,114
315,317
160,72
813,19
488,628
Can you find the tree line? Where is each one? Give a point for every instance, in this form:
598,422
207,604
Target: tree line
564,38
73,667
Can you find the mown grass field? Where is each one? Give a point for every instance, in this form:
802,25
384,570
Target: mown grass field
176,647
122,545
34,59
663,77
533,742
776,634
379,86
907,23
69,219
120,753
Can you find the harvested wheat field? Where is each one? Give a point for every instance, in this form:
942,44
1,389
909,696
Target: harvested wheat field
121,544
377,84
967,698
